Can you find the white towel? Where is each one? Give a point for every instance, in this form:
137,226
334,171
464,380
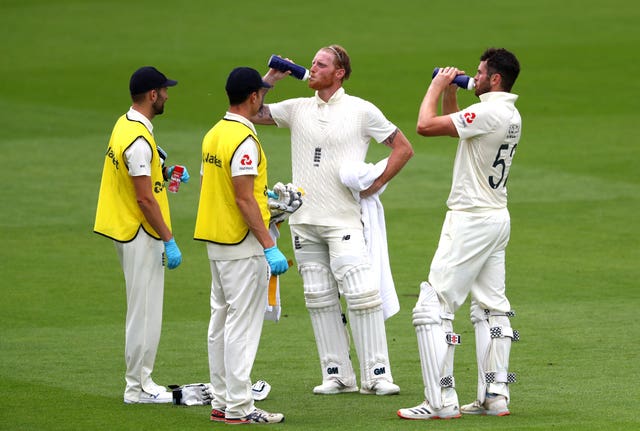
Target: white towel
359,177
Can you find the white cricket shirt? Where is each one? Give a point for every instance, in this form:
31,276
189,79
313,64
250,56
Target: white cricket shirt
324,136
138,154
489,133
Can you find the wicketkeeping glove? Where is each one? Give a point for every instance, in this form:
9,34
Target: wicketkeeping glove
185,174
276,260
283,201
171,250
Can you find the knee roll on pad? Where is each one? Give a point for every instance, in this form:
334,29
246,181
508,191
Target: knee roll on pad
363,301
319,285
477,313
428,310
359,290
322,299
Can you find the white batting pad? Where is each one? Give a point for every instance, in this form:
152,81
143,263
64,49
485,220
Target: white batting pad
436,346
332,338
367,325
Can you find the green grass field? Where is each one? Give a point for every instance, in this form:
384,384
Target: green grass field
572,264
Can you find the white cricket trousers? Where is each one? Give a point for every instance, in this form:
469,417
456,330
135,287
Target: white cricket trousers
471,259
141,261
238,297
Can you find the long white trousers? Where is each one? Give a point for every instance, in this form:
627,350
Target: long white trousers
141,261
470,259
238,296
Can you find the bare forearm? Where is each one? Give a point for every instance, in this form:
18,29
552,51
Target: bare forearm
248,206
428,110
152,213
429,122
150,207
450,100
401,153
263,116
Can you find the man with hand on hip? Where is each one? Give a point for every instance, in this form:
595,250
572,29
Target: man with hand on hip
328,130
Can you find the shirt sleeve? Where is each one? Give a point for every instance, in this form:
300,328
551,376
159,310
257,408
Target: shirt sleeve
281,112
138,158
245,159
378,127
475,120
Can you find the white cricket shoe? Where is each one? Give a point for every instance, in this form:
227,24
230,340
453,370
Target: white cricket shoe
332,387
154,388
380,387
147,398
494,405
257,416
424,411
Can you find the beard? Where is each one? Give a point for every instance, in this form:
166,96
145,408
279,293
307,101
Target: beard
483,87
158,107
319,83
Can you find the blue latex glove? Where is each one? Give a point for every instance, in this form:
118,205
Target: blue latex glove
171,250
185,174
276,260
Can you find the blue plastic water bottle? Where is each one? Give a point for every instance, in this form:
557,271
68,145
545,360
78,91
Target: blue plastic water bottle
462,81
283,65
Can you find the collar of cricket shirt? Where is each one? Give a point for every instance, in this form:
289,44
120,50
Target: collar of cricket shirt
335,98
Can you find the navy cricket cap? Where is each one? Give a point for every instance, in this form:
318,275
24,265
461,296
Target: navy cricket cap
147,78
243,81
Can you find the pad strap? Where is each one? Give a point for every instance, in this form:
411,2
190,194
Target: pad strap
453,339
448,382
510,313
503,331
494,377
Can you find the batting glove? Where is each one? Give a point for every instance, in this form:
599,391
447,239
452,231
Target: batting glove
171,250
276,260
185,174
288,199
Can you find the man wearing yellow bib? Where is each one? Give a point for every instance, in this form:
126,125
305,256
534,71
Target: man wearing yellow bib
133,210
233,219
